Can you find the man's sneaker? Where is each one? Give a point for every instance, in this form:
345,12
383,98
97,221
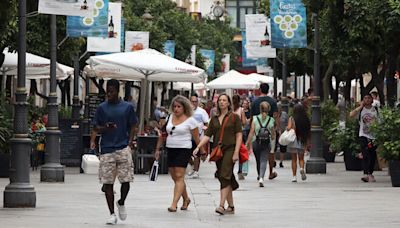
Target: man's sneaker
121,211
112,220
240,176
190,174
371,178
195,175
294,179
365,179
280,164
303,175
261,182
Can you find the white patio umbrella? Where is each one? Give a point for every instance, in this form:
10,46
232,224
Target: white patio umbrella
262,78
188,86
234,80
147,65
37,67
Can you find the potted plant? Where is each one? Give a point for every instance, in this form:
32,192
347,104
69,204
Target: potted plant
388,141
345,138
6,133
329,117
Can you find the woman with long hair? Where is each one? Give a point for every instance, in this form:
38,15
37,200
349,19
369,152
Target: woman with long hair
181,127
238,110
300,122
260,144
231,141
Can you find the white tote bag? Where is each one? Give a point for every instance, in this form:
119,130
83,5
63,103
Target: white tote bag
287,137
154,171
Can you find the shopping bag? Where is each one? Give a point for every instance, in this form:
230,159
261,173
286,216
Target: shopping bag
243,154
154,171
245,168
287,137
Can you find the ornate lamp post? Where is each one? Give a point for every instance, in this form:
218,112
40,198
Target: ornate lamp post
20,193
316,163
52,171
75,99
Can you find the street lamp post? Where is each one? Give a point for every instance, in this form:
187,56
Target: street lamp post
52,171
316,163
20,193
285,105
75,105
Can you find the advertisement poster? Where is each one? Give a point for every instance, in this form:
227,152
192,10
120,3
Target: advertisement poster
169,48
246,62
226,59
262,66
112,42
83,8
136,40
258,30
209,60
96,25
288,21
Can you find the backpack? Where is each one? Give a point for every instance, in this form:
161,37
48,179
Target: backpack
264,135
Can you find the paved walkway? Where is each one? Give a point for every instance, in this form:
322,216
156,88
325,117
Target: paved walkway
337,199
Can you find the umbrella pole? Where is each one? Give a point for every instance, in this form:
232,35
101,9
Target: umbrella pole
143,90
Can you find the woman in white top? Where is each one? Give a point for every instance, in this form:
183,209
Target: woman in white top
181,128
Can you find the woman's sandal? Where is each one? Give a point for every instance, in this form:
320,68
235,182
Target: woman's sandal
185,204
171,209
220,210
230,210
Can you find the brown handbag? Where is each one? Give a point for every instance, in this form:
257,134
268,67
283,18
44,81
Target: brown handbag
216,152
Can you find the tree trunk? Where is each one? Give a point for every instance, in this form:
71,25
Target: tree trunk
391,83
327,81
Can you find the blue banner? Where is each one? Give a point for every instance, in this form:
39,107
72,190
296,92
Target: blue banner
94,26
209,60
288,24
169,48
246,62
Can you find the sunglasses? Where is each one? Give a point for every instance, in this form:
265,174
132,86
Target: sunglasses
173,128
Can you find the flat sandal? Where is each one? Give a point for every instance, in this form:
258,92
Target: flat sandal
230,210
220,210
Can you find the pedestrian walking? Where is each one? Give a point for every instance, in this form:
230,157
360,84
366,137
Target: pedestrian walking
245,130
283,118
201,117
273,112
367,115
181,127
115,120
262,139
300,123
230,144
238,110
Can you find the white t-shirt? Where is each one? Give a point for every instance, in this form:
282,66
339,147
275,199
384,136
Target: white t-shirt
201,116
368,116
181,136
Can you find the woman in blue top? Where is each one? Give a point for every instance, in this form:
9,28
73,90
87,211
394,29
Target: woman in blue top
262,142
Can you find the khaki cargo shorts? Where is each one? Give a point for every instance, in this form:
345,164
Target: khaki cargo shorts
118,163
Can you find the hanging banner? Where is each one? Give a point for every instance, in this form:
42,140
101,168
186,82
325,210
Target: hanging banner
112,43
246,62
262,66
209,60
96,25
83,8
169,48
136,40
226,59
258,30
122,34
289,27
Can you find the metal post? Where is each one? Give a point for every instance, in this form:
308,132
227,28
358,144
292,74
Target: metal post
20,192
75,99
52,171
143,91
86,121
285,105
316,163
295,86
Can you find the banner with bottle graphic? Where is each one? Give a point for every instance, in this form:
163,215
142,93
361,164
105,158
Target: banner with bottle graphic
111,43
246,62
209,60
136,40
96,25
288,21
258,30
169,48
83,8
